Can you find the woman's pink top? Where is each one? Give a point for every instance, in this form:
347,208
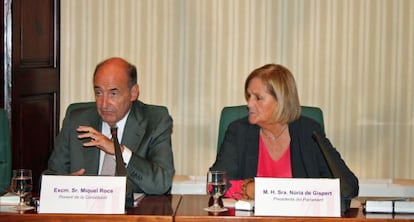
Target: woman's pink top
266,167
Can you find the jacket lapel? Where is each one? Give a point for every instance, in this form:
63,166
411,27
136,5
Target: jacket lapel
252,149
296,155
134,129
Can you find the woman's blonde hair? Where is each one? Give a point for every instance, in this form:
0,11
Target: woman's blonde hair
281,84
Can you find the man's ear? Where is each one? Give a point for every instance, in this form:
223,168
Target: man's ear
135,92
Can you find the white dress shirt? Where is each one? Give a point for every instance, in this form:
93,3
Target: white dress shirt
106,131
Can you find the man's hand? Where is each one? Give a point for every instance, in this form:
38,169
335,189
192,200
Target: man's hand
97,139
78,173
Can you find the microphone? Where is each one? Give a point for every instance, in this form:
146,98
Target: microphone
334,168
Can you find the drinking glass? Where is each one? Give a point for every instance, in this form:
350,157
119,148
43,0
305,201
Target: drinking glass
22,185
216,186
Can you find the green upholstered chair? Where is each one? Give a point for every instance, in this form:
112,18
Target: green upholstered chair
231,113
74,106
5,152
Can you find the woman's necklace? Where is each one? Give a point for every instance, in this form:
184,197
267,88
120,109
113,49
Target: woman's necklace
271,136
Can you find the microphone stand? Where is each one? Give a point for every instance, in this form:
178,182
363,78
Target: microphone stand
336,172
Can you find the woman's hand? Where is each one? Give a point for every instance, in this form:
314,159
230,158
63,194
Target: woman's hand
250,190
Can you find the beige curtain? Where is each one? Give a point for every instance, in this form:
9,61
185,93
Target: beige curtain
352,58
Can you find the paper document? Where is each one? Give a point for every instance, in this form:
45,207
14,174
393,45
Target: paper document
9,199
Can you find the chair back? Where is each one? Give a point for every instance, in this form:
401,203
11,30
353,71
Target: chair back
232,113
74,106
5,151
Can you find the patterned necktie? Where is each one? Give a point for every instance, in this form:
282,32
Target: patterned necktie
113,165
120,169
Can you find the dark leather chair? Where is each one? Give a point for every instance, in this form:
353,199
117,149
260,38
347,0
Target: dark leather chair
5,152
231,113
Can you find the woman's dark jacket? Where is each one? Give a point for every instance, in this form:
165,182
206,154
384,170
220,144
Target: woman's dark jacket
238,154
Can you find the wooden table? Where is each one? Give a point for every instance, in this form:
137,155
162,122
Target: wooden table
192,207
151,208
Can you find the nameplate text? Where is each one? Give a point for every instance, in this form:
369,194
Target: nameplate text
297,197
82,194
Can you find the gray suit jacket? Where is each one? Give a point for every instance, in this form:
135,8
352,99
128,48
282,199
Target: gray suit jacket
147,134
